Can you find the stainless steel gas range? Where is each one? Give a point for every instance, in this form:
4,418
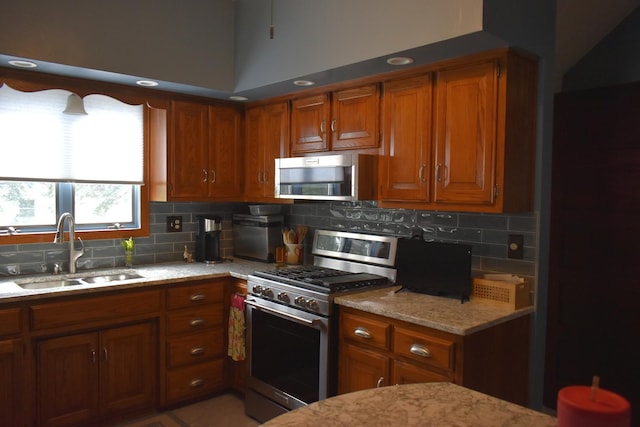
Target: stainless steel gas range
292,327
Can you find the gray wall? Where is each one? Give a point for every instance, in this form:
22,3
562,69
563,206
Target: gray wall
615,60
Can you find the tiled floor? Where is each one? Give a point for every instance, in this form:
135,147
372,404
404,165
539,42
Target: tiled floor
226,410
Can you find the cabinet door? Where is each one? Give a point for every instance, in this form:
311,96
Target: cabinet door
405,168
361,369
68,375
188,151
465,134
407,373
354,122
309,122
224,153
267,138
128,368
11,392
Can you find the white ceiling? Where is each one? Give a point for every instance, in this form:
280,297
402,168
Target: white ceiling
581,24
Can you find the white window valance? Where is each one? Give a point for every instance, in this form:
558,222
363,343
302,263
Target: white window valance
40,143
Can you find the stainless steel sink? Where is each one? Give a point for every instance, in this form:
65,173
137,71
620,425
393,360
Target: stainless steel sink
117,277
51,284
75,281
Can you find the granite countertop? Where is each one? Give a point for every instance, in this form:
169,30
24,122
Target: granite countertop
445,314
155,274
424,404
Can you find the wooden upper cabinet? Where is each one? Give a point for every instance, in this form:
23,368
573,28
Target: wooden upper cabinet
310,118
225,177
341,120
468,144
188,151
354,124
204,145
465,134
405,167
266,139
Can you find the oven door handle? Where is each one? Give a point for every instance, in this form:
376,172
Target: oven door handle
281,314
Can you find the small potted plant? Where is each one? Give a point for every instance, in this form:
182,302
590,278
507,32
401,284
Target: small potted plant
128,245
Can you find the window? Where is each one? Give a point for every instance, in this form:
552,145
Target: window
90,165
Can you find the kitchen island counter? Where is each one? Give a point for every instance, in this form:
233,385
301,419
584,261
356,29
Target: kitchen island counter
442,313
424,404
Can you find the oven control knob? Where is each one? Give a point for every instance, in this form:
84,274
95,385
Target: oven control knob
257,289
312,304
267,292
283,296
299,301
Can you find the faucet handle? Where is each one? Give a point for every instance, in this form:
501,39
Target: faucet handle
81,251
56,268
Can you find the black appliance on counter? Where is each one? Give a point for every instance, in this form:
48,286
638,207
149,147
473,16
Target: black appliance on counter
434,268
208,239
292,324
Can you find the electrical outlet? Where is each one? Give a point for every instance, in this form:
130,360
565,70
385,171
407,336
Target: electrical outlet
174,223
515,247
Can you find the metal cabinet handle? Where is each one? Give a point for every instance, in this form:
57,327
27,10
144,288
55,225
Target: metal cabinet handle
105,354
196,382
438,177
93,356
420,350
421,172
266,177
197,297
362,332
379,382
197,351
322,130
196,322
213,176
259,177
205,176
333,126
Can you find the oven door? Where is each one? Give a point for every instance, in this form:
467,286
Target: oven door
289,358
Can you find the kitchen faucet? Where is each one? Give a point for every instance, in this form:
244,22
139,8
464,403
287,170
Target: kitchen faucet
73,253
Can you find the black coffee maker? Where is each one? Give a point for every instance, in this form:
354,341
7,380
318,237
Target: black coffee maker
208,239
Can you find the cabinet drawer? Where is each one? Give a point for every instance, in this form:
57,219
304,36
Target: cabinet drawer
193,295
194,381
86,310
424,348
408,373
9,321
194,319
362,329
194,348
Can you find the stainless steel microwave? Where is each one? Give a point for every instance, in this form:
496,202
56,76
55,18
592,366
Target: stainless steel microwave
331,177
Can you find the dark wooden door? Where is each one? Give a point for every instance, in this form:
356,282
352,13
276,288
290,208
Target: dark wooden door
593,318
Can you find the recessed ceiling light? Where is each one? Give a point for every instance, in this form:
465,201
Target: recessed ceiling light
22,64
399,60
238,98
303,83
147,83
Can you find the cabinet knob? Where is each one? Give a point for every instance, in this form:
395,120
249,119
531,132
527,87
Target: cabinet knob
420,350
362,332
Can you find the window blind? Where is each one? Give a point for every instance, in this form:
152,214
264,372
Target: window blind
40,143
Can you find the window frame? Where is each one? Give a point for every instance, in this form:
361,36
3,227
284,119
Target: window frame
29,81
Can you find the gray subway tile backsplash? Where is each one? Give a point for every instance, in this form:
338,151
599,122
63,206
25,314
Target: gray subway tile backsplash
487,233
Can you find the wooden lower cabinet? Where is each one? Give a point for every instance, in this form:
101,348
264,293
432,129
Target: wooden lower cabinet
11,382
194,341
85,377
378,351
